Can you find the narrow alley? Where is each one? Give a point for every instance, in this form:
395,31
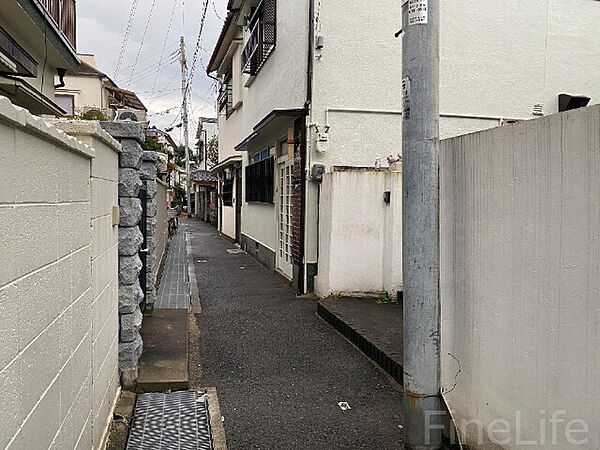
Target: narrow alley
279,370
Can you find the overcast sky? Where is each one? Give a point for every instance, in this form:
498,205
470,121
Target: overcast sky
100,30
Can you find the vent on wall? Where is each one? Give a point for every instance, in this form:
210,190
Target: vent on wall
538,109
567,102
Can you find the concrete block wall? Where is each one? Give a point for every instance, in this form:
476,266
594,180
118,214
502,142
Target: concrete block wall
57,364
519,282
131,294
104,183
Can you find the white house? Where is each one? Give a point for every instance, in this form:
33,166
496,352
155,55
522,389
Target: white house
308,87
92,89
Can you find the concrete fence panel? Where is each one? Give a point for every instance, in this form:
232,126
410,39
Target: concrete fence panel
162,223
58,379
520,282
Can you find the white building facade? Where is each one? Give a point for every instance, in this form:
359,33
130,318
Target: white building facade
311,90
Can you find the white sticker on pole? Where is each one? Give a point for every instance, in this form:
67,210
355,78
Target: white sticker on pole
406,98
417,12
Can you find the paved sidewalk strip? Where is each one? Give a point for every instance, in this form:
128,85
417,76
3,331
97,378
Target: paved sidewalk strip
178,420
174,290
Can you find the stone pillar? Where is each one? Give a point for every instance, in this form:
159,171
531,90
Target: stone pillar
148,176
131,294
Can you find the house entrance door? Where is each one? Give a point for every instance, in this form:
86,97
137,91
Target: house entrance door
284,201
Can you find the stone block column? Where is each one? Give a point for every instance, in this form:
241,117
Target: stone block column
131,294
148,177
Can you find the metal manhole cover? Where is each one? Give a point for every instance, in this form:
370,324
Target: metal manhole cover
178,420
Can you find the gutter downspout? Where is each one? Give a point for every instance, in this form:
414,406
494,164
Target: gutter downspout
306,146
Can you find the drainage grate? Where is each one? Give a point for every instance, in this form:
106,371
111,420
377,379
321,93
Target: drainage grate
170,421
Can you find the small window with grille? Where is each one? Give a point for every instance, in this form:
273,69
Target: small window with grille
259,181
228,192
226,94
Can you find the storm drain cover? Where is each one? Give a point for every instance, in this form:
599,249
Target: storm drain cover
178,420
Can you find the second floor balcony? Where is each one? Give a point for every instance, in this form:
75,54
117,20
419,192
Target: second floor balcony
262,39
63,12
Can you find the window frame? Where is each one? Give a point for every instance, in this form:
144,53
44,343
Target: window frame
227,192
260,181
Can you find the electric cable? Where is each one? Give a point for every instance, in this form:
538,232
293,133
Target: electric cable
126,35
137,56
162,52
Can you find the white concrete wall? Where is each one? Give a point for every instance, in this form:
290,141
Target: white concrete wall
360,247
520,277
162,222
58,303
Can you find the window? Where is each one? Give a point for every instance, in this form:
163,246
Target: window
226,95
228,192
261,156
66,102
259,181
263,33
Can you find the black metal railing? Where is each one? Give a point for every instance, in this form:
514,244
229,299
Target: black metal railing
225,97
261,41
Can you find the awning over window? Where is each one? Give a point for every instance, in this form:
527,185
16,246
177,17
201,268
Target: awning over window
272,123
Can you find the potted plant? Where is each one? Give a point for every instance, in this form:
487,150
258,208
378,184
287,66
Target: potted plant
395,163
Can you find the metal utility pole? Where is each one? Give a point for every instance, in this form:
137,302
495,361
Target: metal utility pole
420,223
184,118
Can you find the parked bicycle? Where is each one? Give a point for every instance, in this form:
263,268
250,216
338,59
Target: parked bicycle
173,221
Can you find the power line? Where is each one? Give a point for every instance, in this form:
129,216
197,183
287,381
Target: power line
198,46
162,52
126,35
216,12
150,70
137,56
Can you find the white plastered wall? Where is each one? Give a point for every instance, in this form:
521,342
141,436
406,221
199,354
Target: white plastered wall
360,246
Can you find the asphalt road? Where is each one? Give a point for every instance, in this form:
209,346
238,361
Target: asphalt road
279,370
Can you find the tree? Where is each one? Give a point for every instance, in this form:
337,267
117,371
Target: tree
180,156
212,152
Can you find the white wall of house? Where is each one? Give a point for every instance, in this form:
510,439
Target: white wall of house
86,91
520,221
360,246
58,294
494,64
359,67
503,59
281,83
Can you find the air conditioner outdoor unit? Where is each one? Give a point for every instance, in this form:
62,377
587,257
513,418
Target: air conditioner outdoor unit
133,115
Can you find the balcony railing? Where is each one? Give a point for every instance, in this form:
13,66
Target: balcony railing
63,12
225,97
261,41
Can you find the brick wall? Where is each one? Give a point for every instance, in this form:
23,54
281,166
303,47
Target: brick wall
298,186
57,316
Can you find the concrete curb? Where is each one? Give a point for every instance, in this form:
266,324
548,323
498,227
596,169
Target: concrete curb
195,305
216,424
366,343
